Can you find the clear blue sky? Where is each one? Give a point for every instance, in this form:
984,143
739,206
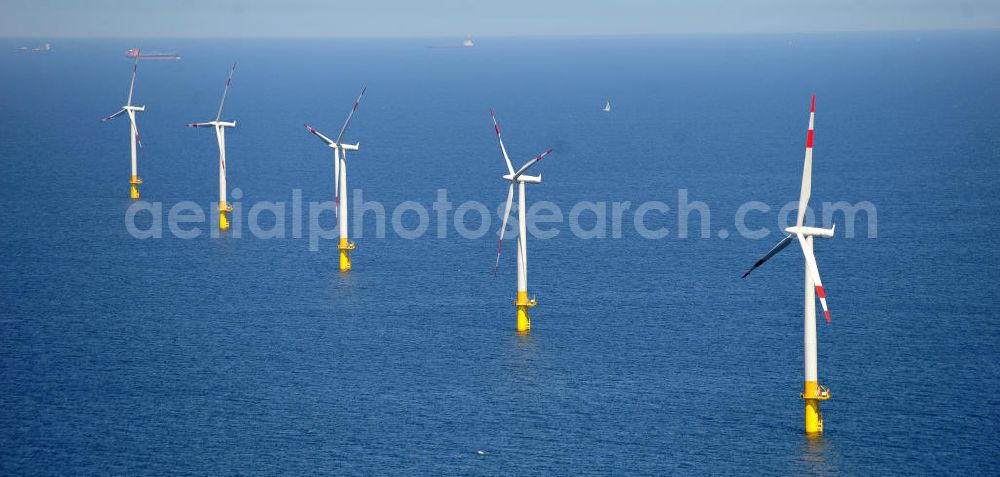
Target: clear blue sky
452,18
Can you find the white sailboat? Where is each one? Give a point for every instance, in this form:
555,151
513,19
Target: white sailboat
607,107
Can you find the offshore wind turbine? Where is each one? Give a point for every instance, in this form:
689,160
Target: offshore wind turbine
517,178
220,134
133,131
340,181
813,392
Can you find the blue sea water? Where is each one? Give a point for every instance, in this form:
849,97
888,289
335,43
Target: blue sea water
249,356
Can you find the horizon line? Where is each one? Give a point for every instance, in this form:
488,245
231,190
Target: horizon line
514,36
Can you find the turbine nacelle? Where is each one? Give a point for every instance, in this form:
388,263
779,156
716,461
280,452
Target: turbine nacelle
222,124
811,231
523,178
133,108
346,147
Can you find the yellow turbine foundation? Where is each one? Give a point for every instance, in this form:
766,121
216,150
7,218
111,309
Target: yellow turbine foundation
224,210
345,254
522,304
814,393
134,187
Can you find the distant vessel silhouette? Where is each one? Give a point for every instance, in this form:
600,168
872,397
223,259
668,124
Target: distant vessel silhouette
607,107
46,48
467,43
152,55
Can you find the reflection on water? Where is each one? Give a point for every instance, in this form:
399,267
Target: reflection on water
525,348
817,455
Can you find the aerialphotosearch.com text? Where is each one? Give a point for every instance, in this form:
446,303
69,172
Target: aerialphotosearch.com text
651,220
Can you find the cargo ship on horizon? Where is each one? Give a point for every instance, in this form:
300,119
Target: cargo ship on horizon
153,55
46,48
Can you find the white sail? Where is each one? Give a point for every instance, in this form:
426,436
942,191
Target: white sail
607,107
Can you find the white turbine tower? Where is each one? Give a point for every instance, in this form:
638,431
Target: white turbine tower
518,178
813,393
220,134
133,131
340,181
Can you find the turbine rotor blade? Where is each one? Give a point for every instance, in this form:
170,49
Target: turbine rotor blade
109,118
807,167
319,135
774,251
135,130
131,85
225,92
496,127
336,183
530,163
814,271
351,114
503,227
